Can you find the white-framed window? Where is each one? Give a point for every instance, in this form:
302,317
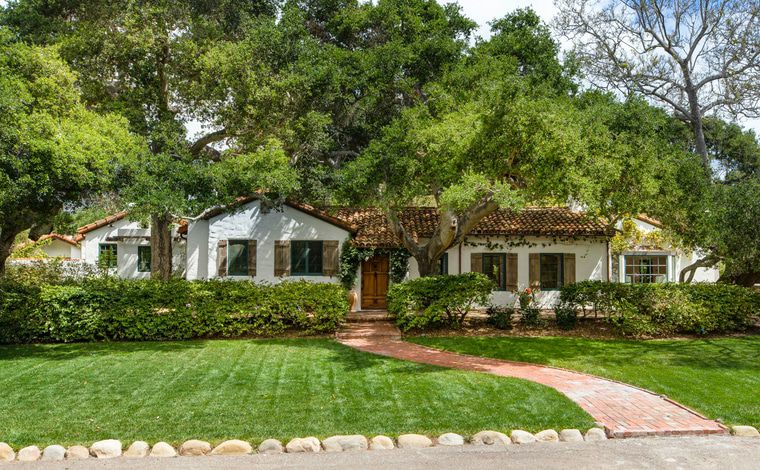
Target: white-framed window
645,268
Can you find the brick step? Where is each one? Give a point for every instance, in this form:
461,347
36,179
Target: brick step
369,329
371,316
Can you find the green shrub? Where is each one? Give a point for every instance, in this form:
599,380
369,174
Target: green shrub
115,309
500,317
666,309
530,316
437,301
566,316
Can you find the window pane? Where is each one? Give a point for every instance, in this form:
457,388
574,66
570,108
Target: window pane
305,257
143,259
237,258
646,268
551,271
494,266
107,255
443,264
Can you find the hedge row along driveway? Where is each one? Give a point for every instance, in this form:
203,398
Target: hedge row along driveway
252,390
718,377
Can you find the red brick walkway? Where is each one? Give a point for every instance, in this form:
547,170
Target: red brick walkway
623,410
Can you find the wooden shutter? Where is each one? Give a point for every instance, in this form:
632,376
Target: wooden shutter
569,274
329,257
252,258
534,270
282,258
476,262
221,258
512,271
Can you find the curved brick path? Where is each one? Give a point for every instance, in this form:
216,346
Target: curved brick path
623,410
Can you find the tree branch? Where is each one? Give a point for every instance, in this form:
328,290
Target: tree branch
199,145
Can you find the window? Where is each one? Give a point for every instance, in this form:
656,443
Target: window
237,258
443,264
143,259
495,267
643,269
305,258
551,271
107,255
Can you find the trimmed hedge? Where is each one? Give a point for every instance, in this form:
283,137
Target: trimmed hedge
142,310
665,309
437,301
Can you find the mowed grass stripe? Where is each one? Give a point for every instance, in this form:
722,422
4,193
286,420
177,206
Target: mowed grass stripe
252,389
718,377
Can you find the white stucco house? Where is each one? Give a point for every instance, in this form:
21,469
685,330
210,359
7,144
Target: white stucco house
541,247
115,243
650,261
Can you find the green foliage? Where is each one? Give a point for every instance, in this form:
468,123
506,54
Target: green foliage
114,309
500,317
565,316
352,256
666,309
53,150
437,301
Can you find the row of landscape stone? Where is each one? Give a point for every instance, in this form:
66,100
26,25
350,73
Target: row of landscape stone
111,448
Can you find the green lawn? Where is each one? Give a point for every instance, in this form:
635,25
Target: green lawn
718,377
252,390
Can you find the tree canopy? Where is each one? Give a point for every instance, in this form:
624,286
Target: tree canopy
53,150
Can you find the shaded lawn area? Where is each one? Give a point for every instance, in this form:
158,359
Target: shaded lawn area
252,390
718,377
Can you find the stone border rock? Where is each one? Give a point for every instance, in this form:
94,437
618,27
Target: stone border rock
112,448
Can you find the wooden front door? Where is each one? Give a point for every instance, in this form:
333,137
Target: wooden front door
375,282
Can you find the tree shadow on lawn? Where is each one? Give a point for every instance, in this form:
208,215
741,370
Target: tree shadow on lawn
354,360
722,353
349,358
68,351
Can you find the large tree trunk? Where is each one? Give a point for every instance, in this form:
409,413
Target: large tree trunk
451,230
695,118
427,266
687,273
161,246
7,237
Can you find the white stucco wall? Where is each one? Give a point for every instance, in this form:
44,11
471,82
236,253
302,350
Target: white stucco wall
590,263
677,260
126,259
60,249
249,222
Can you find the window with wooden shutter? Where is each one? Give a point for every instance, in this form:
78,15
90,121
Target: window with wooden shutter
252,258
329,258
569,262
221,258
534,270
512,271
282,258
476,262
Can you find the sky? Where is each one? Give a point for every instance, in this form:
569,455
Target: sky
483,11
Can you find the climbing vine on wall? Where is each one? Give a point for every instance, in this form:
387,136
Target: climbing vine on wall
352,256
632,238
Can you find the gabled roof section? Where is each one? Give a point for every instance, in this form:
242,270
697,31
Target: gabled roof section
305,208
81,231
649,220
374,229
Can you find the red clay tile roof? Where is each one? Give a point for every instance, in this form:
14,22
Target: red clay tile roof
374,230
57,236
99,223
